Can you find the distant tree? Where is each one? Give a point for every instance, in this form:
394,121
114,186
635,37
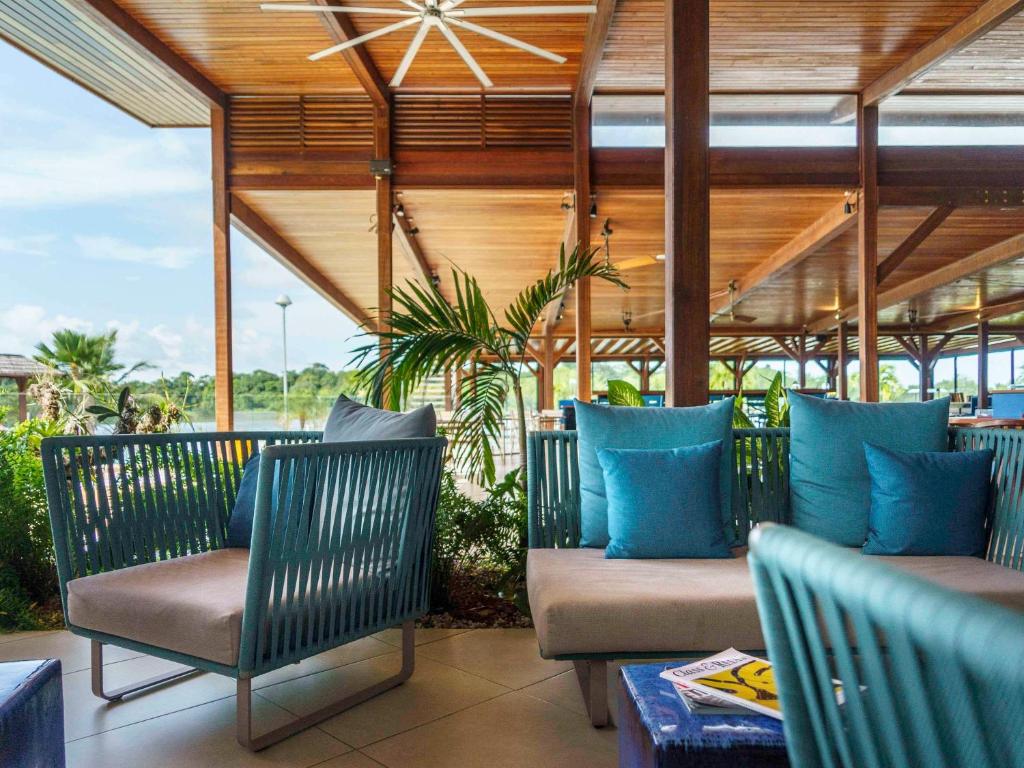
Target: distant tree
85,362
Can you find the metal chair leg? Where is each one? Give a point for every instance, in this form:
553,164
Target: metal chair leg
593,680
119,693
243,701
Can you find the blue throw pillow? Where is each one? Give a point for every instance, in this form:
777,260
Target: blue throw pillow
240,521
928,503
830,489
664,502
604,426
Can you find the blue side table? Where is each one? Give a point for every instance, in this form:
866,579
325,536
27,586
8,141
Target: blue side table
31,715
657,731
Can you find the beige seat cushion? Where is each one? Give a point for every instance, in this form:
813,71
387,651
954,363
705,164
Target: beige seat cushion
192,605
585,604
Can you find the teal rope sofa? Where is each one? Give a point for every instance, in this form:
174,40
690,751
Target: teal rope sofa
341,548
929,694
591,610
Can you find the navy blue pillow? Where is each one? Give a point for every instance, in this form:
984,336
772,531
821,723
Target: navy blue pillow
240,522
927,503
664,503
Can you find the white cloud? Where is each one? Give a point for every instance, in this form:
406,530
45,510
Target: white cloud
27,245
105,248
22,326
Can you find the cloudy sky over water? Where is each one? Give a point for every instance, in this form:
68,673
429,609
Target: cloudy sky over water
105,223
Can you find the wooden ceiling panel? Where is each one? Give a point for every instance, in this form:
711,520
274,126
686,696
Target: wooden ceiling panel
784,45
993,63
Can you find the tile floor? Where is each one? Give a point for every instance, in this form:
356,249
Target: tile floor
477,698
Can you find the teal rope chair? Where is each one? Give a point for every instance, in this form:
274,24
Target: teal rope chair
931,677
341,544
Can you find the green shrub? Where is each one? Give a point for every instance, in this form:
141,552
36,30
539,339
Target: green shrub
28,578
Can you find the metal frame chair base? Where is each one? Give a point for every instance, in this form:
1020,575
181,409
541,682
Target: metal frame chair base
592,676
119,693
243,701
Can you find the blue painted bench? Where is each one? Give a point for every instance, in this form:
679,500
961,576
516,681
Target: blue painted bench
31,714
590,610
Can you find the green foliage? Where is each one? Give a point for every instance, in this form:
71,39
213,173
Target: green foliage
479,541
27,573
776,404
623,393
85,361
429,336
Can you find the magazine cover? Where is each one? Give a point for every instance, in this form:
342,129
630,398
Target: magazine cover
735,678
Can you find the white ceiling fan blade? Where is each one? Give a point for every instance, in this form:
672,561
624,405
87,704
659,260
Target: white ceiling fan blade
467,57
337,9
526,10
410,54
412,4
508,41
363,38
447,5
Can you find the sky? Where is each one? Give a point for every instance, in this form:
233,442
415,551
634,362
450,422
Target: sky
106,223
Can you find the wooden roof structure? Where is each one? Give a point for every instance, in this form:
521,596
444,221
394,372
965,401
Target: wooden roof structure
494,181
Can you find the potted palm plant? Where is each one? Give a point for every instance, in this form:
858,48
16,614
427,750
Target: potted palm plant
430,336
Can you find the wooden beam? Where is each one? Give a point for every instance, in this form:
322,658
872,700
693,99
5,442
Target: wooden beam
826,228
986,17
788,349
385,206
108,13
593,50
687,201
553,316
547,390
581,205
413,252
913,241
867,253
261,232
1012,305
224,400
983,364
339,26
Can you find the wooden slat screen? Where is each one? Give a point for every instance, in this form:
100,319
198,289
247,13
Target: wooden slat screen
459,122
307,122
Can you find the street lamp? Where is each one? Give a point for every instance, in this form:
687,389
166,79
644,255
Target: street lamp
284,302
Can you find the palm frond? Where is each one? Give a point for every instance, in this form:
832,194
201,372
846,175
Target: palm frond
524,312
478,420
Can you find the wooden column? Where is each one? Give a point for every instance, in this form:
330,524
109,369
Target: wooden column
224,398
867,252
449,401
842,391
924,366
385,205
983,364
802,362
645,374
547,392
22,385
687,202
581,189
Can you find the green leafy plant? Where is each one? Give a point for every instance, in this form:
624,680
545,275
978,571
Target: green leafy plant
776,407
623,393
430,336
131,417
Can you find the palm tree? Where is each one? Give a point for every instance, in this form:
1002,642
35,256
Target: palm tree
429,337
85,361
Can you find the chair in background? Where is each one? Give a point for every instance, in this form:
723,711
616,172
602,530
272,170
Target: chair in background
931,677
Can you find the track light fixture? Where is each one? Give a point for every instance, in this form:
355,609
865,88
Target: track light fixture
400,210
848,205
593,207
414,230
627,319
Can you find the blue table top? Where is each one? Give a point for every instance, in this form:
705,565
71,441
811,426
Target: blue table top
672,726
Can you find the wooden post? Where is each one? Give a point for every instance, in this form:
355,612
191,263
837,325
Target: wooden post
802,370
842,391
924,365
385,205
581,189
737,374
983,364
645,374
224,398
22,385
867,251
448,400
547,393
687,202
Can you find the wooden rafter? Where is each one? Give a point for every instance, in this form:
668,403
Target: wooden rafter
593,50
555,308
107,13
1010,306
340,28
829,226
257,229
986,17
913,241
412,250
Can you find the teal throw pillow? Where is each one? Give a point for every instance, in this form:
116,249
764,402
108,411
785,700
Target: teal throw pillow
604,426
830,488
928,503
664,503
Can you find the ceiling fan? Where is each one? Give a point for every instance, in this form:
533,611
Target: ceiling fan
442,16
730,311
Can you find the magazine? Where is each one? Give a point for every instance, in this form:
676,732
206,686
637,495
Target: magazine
698,702
734,678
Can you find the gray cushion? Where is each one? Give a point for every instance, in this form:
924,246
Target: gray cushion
350,421
585,604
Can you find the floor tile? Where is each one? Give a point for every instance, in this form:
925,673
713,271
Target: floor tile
6,637
514,730
73,651
359,650
204,737
351,760
86,714
423,636
508,657
433,691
